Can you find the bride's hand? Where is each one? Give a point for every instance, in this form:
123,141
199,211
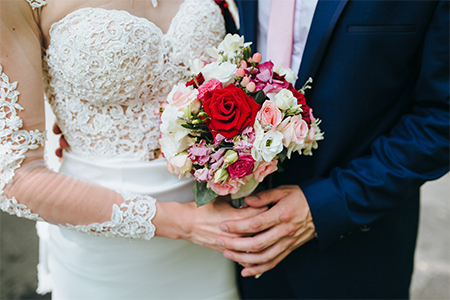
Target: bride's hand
199,225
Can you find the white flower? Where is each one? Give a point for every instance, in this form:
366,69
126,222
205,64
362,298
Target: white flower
230,47
173,136
290,75
285,99
180,164
224,72
267,145
195,66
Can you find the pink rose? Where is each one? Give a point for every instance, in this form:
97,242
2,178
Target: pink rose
242,167
180,165
231,186
206,90
294,130
270,116
264,169
183,97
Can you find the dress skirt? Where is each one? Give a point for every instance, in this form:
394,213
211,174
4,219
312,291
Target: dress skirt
75,265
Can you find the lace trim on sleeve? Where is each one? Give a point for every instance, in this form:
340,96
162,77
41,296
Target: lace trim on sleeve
13,144
131,220
36,3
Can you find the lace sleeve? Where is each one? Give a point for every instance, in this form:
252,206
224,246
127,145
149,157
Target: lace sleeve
27,188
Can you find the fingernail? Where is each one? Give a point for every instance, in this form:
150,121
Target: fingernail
251,198
245,273
220,243
228,255
223,227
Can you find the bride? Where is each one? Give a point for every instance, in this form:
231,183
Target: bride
124,228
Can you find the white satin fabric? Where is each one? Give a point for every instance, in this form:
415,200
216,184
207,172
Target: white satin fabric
80,266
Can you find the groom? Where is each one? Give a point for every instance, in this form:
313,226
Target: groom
342,224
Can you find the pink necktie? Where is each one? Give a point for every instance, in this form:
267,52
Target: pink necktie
280,32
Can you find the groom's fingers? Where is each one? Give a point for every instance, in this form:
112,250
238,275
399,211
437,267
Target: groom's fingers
256,243
267,197
254,224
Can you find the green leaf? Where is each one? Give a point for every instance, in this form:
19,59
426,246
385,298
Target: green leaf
202,194
282,155
259,97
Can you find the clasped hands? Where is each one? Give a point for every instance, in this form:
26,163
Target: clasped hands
260,242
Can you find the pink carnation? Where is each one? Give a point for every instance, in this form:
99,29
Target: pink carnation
231,186
242,167
207,89
264,169
200,153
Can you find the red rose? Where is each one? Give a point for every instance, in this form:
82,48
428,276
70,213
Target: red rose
230,110
242,167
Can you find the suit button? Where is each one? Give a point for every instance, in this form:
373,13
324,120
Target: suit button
364,228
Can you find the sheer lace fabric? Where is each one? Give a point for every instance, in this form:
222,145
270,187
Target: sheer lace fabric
108,70
105,71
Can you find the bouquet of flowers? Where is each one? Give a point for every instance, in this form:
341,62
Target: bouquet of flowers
233,121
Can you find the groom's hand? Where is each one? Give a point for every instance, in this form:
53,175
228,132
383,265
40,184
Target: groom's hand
275,233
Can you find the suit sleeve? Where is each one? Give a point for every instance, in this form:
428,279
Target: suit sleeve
416,150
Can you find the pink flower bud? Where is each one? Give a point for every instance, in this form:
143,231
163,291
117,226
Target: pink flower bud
251,87
240,72
245,81
156,111
243,64
257,57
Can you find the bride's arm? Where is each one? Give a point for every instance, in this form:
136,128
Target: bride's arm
28,189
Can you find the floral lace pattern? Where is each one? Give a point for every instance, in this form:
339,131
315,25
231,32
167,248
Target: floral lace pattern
36,3
13,144
131,220
107,70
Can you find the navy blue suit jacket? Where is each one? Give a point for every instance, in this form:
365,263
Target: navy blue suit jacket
381,87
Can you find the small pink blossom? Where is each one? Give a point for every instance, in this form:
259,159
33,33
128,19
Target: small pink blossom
243,64
217,155
231,186
257,57
264,169
270,116
203,175
240,72
200,153
242,167
245,81
251,87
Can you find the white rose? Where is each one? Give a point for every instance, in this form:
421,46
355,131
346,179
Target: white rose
290,75
285,99
267,145
224,72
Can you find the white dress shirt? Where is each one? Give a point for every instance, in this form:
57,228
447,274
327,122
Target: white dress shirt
304,12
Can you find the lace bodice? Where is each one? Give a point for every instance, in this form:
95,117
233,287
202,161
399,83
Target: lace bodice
107,70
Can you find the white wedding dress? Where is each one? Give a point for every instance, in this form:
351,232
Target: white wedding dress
105,71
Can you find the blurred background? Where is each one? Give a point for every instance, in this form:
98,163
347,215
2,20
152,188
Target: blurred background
431,278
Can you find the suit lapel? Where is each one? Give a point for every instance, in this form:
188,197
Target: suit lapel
248,14
325,18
